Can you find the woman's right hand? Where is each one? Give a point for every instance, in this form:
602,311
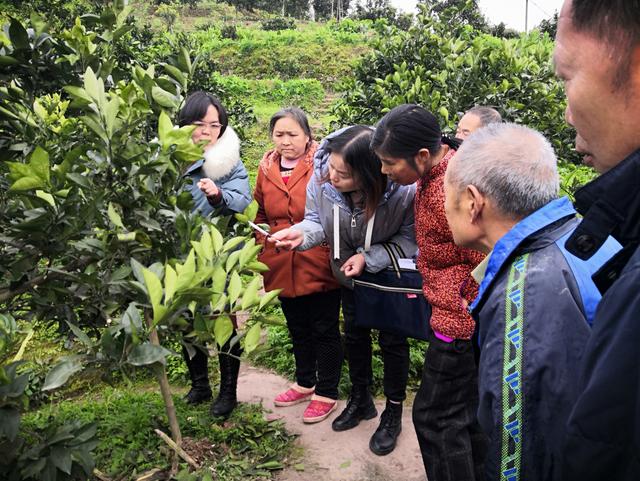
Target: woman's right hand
287,238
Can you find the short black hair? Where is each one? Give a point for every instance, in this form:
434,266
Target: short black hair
195,108
615,22
294,113
407,129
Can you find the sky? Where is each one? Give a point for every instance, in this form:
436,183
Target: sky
511,12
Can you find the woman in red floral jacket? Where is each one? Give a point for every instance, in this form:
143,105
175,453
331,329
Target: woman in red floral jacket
310,296
410,144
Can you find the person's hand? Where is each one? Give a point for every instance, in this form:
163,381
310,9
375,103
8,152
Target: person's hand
354,265
287,238
209,188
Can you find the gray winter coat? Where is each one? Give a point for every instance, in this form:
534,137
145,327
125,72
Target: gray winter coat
393,221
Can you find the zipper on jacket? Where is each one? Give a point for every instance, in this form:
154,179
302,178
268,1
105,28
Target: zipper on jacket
353,220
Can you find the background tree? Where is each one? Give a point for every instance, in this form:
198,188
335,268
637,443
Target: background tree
448,70
549,25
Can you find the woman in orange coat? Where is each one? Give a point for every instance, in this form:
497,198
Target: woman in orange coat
310,296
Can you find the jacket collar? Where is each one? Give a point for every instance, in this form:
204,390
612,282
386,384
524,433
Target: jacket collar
270,165
221,158
504,248
611,206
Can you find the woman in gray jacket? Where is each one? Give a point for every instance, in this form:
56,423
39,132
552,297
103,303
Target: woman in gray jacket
353,206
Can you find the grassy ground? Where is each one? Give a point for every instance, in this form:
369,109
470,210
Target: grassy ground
244,447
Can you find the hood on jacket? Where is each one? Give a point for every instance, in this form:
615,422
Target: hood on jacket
321,171
223,156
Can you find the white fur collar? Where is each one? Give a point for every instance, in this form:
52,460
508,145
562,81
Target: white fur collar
223,156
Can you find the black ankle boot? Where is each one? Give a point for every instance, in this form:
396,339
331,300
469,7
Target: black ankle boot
384,439
199,375
229,368
359,407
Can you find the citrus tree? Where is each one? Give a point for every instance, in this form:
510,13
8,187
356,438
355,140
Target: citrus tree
96,229
445,64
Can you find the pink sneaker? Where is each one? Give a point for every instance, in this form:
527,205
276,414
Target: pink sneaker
291,397
318,410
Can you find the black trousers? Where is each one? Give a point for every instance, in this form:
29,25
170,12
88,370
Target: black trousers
395,354
198,365
452,443
315,334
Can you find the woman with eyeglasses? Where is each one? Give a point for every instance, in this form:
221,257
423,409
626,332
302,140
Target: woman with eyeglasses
220,186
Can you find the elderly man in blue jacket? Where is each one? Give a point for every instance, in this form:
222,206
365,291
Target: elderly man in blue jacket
536,301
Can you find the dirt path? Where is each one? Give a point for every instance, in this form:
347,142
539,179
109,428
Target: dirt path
331,456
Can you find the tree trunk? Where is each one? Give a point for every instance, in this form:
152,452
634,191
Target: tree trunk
161,374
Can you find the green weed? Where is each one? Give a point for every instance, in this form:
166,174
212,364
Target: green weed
128,445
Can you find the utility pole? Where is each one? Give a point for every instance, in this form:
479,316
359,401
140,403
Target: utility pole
526,17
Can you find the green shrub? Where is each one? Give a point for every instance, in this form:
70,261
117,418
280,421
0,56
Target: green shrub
279,23
229,31
448,72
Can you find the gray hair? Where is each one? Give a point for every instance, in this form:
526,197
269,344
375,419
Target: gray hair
294,113
513,165
487,115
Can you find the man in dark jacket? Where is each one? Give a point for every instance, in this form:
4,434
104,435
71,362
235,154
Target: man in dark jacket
536,301
598,56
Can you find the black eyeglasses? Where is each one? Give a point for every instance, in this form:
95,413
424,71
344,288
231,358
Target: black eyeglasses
211,125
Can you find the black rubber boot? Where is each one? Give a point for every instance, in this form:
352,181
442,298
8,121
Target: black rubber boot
199,375
384,439
359,407
229,368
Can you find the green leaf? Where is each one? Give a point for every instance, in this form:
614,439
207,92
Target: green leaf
114,217
93,86
216,239
154,290
164,98
18,35
268,297
241,218
252,339
207,245
111,113
252,210
80,334
62,371
232,260
127,236
235,286
219,280
250,296
222,329
176,74
61,458
46,197
233,243
145,354
164,126
170,281
26,183
186,272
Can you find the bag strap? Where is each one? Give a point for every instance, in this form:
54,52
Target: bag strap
369,234
392,258
336,231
